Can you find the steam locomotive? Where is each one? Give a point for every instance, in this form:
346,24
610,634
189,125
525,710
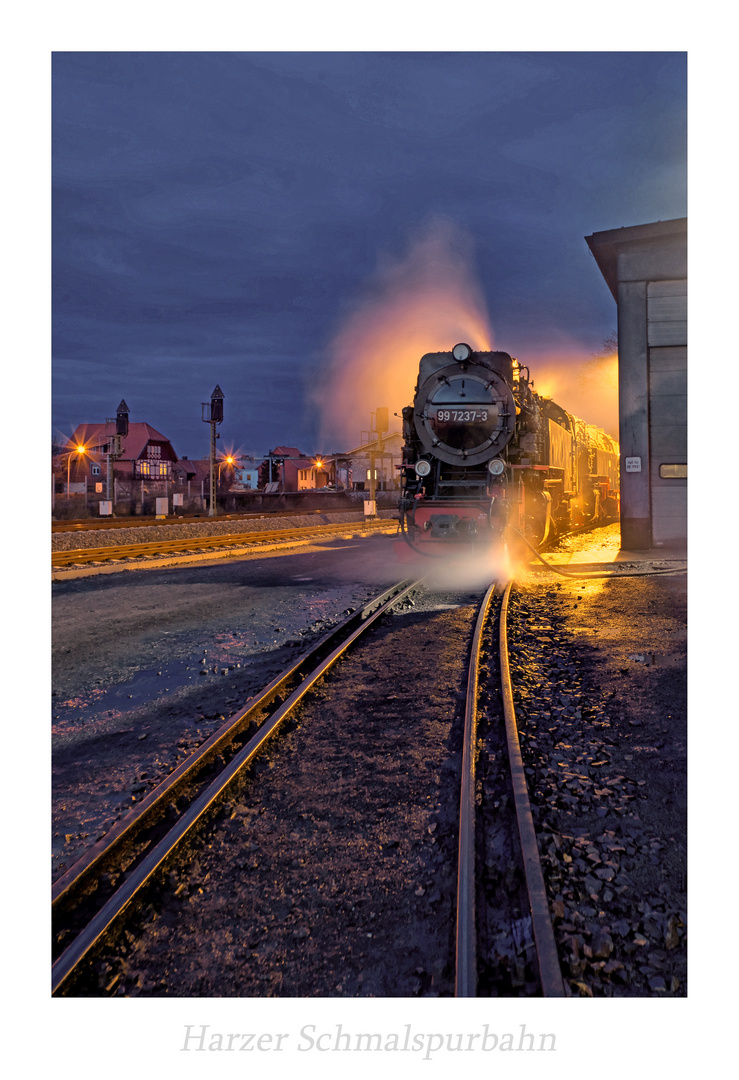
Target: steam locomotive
484,451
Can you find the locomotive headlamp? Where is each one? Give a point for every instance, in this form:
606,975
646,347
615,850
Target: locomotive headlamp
461,352
496,466
423,467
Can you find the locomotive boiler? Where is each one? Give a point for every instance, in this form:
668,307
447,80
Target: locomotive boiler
484,451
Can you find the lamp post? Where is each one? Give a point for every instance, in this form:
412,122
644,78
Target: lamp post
77,450
226,461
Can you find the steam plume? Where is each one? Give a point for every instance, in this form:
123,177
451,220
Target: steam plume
425,301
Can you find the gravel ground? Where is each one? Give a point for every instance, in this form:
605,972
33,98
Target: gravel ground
332,871
146,666
606,757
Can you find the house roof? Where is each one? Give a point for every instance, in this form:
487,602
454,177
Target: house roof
198,467
132,445
186,466
288,451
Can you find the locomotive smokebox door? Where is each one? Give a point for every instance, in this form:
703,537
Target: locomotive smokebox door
465,411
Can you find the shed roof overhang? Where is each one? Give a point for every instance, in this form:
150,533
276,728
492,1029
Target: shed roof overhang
606,246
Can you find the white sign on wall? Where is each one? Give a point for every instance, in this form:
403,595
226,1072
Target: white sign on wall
633,464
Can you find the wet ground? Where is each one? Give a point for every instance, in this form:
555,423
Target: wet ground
146,666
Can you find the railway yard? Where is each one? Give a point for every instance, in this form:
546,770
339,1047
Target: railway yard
296,717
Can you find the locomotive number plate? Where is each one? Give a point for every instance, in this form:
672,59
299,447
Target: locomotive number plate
462,416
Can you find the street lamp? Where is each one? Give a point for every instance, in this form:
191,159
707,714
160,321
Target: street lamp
229,460
77,450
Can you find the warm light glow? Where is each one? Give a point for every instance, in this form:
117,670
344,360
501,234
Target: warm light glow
319,464
426,301
583,384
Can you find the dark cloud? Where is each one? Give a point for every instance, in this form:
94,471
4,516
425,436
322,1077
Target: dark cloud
216,215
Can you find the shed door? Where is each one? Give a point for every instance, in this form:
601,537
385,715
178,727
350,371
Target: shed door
668,409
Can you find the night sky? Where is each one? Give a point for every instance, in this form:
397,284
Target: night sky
246,218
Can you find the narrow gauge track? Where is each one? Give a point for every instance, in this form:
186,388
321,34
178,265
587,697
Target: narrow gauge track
191,545
94,893
91,898
486,960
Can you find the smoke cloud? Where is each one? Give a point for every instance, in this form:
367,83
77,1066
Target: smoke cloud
425,301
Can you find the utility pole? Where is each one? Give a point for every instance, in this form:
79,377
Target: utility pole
114,446
212,413
377,429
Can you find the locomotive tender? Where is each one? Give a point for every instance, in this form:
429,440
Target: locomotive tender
484,451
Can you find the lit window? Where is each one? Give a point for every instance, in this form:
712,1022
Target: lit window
673,472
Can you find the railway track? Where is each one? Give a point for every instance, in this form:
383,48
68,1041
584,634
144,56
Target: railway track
122,863
91,900
102,524
471,891
196,545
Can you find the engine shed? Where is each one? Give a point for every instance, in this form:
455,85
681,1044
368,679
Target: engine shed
645,267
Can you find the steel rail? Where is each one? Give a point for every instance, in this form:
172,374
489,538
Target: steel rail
75,953
466,933
146,813
546,949
244,539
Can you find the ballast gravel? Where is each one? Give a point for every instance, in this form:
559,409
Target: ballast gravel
191,530
599,677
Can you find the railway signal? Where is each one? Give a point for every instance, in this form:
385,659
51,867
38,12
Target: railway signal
114,448
121,420
212,413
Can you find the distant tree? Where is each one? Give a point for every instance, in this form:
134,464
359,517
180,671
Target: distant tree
601,370
264,471
609,347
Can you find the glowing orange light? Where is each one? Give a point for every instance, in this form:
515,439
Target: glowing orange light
585,385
